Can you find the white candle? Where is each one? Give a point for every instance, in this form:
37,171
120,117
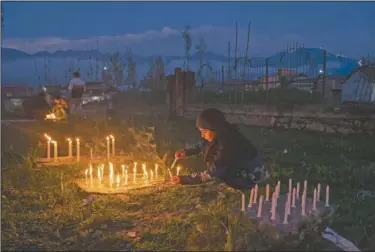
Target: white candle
178,170
286,212
78,150
108,148
113,145
267,192
305,186
290,186
55,150
91,153
278,188
49,139
102,170
273,206
289,202
243,209
297,192
86,171
144,171
126,176
70,154
294,197
91,179
318,193
327,196
251,198
303,204
156,170
99,177
123,171
260,206
152,174
314,200
255,194
134,172
110,174
118,180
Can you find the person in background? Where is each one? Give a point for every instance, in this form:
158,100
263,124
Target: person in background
76,88
227,154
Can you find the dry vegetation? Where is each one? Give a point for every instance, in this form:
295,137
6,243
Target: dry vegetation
42,207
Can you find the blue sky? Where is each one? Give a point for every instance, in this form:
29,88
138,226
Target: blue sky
153,27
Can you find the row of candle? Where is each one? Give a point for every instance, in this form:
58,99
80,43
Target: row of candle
70,145
125,176
290,202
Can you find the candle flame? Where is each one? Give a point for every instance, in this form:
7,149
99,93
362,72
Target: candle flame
107,138
86,171
48,137
112,137
77,139
178,170
69,140
54,142
50,116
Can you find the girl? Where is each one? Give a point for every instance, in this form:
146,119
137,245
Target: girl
227,154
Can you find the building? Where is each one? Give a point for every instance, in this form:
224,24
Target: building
359,86
331,85
17,91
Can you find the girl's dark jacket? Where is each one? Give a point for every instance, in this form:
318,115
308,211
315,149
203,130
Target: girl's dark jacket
231,158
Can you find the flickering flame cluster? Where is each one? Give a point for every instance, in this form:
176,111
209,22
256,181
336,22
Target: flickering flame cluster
122,178
70,143
50,116
292,197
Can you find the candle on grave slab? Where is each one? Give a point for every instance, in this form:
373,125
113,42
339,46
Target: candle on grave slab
297,191
70,145
303,204
273,206
289,202
78,150
294,197
260,206
178,170
108,148
126,176
243,208
318,192
327,196
49,139
91,178
110,174
314,200
123,171
55,150
113,145
290,186
99,177
102,170
286,212
134,172
305,186
86,179
156,170
118,180
251,198
145,175
255,194
267,192
152,174
278,188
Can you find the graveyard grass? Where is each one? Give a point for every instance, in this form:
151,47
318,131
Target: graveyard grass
42,207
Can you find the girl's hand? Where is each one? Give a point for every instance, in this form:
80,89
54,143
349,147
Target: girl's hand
176,180
180,154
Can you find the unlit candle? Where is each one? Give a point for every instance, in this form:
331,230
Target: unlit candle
273,206
327,196
314,200
55,150
318,193
49,139
134,172
126,176
286,212
251,198
78,150
255,194
305,186
294,197
156,170
303,204
113,145
70,145
278,188
267,192
297,192
91,178
108,148
260,206
290,186
86,172
289,202
243,202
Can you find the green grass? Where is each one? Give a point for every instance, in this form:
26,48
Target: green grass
45,212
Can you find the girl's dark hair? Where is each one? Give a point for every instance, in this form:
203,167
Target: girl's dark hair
213,119
76,74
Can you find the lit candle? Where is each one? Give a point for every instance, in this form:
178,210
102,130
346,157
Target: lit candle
48,146
152,174
99,176
102,170
123,171
144,170
70,148
91,179
110,174
305,186
255,194
268,192
113,145
318,193
286,212
278,188
314,200
289,202
86,171
297,192
251,198
134,172
260,206
243,208
294,197
78,150
118,180
156,170
327,196
273,206
108,148
290,186
126,176
91,153
178,170
55,150
303,206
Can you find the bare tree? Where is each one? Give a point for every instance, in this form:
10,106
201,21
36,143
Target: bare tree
131,71
187,38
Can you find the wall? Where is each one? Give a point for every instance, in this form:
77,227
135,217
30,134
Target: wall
358,88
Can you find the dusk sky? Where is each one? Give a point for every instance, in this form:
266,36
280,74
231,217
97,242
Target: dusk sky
154,27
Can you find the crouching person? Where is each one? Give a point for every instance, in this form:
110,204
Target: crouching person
227,154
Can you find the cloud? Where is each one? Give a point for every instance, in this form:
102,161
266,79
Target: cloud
168,41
